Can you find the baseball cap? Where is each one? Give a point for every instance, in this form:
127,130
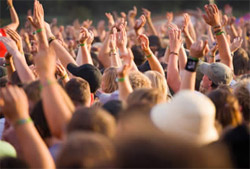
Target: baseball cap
89,73
189,116
218,73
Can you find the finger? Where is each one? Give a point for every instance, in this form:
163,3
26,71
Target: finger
31,21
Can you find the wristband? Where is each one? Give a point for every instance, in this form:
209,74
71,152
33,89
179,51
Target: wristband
23,121
64,76
216,27
6,64
217,31
9,6
192,64
47,83
82,44
120,79
149,56
51,39
174,53
37,31
220,33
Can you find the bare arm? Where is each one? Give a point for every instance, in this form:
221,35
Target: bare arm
147,13
152,59
14,17
16,109
212,18
197,50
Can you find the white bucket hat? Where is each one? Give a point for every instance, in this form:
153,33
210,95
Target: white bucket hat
190,116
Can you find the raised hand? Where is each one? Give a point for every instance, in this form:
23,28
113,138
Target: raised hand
122,39
236,44
144,43
112,41
175,40
15,103
199,49
16,37
147,13
10,45
37,20
139,23
123,15
10,2
186,22
169,16
231,20
85,35
61,71
132,13
110,19
224,20
123,71
87,23
45,61
212,16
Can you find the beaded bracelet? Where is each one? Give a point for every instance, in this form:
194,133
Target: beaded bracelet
51,39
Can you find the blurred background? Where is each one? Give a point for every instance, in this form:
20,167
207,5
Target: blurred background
66,11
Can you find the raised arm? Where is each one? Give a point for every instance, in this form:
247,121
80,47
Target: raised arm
63,55
212,18
16,110
86,37
131,17
186,22
14,17
114,55
152,59
151,26
124,85
197,50
56,106
23,71
175,42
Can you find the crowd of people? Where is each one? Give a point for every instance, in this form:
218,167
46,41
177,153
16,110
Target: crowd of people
127,94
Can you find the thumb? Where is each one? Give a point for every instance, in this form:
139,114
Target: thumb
31,21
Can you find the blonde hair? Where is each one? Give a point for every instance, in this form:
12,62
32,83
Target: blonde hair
159,82
109,84
139,80
146,96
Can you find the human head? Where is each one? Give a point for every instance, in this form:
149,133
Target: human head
242,93
40,121
240,62
109,84
86,150
89,73
79,91
33,93
92,120
146,96
159,82
227,107
214,75
139,57
139,80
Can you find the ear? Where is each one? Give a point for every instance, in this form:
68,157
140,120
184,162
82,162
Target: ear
92,99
